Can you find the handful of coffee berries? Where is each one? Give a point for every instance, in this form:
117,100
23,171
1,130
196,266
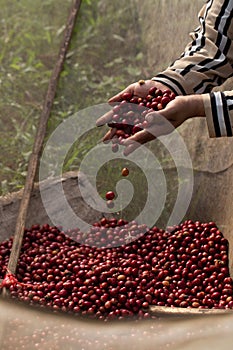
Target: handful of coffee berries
129,115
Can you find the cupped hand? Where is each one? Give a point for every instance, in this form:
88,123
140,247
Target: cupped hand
138,89
165,121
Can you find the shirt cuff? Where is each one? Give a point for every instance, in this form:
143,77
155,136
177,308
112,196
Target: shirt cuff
217,114
174,81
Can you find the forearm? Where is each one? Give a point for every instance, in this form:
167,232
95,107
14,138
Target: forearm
216,107
207,61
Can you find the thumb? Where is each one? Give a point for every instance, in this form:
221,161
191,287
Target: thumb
118,97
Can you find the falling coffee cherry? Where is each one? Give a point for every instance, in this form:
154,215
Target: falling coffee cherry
110,195
110,204
125,172
115,147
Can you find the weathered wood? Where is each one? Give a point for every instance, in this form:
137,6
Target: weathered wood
41,131
164,311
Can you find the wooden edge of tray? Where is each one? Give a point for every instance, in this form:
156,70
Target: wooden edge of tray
178,311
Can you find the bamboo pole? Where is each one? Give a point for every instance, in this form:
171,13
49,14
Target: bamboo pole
39,139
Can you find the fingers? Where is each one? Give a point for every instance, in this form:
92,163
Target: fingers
118,97
133,142
159,124
154,118
109,135
135,89
104,119
131,148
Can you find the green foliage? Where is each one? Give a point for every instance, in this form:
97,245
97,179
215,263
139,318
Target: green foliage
29,44
104,56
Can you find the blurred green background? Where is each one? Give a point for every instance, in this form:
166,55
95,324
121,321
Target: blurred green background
98,64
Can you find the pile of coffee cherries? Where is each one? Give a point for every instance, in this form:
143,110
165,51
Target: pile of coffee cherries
184,266
129,115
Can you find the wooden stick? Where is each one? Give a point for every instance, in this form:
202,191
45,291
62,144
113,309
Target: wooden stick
38,144
164,311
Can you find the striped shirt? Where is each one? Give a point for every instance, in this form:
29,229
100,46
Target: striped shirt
206,62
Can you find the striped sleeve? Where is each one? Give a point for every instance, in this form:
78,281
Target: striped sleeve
208,59
219,113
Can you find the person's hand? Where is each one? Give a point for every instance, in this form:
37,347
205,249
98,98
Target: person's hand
164,122
138,89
